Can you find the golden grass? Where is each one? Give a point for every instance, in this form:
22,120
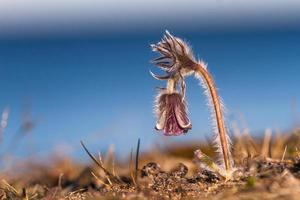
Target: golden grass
267,167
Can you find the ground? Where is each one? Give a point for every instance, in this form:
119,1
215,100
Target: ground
265,168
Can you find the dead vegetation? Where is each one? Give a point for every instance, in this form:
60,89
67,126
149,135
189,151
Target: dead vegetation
267,167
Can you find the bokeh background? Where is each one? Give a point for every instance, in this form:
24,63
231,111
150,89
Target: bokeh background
79,70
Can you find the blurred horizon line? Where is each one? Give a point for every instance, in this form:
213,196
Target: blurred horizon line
77,19
97,34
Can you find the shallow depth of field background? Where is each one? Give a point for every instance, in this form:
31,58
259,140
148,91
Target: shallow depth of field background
79,70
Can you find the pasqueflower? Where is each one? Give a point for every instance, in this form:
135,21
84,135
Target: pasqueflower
177,60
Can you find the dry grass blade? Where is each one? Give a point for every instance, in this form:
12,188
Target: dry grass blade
265,150
79,191
252,148
109,175
164,173
24,194
241,149
113,167
98,179
207,163
297,153
131,168
93,158
137,159
284,152
60,180
10,188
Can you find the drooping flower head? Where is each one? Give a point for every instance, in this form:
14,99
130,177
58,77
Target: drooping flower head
171,112
176,58
177,61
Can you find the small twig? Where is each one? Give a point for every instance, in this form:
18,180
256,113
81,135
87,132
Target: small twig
283,155
33,196
76,191
272,160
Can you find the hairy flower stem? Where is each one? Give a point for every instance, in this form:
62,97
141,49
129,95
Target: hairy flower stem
208,80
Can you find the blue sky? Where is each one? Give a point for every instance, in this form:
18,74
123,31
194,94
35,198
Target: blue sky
86,77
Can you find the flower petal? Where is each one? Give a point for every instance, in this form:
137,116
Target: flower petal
161,122
171,114
166,77
171,126
182,117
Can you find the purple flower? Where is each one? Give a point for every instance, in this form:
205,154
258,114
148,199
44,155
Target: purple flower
172,114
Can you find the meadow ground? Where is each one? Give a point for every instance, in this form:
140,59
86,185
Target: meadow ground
266,168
